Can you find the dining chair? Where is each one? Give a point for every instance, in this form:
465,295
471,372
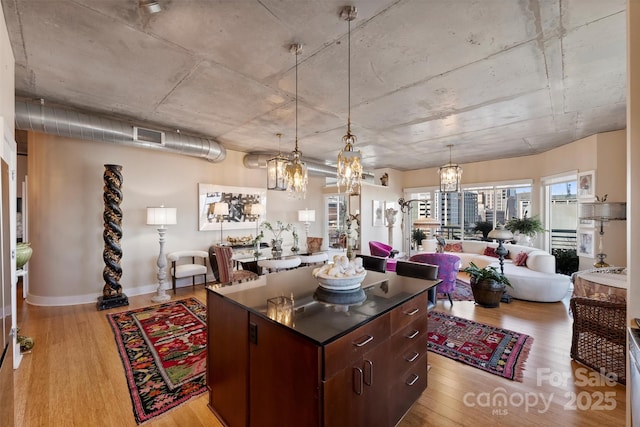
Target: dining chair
274,265
373,263
448,266
226,272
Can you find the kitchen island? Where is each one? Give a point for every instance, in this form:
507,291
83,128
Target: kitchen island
320,363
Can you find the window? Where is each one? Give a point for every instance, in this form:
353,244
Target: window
458,213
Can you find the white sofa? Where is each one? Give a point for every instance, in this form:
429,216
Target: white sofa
537,281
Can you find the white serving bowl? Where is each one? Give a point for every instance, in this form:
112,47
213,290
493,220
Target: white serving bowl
340,283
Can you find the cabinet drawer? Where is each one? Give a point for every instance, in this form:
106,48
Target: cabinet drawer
407,388
408,312
415,331
352,346
407,357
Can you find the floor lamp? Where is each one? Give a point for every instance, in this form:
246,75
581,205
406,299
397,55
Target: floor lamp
602,211
501,234
220,209
161,217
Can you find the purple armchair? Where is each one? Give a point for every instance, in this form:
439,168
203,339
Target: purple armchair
448,266
383,250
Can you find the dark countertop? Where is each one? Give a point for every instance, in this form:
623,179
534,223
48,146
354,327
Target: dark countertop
320,321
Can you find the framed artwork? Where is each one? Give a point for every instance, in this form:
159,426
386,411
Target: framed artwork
378,213
238,200
587,185
586,243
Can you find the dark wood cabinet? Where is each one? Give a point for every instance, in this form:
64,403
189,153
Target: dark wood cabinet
367,372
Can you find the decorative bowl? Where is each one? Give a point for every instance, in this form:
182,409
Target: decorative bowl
340,283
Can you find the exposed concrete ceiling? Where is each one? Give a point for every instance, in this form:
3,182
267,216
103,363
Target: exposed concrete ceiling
495,78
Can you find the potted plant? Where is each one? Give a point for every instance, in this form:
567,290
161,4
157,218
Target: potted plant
277,229
525,226
483,227
487,284
418,235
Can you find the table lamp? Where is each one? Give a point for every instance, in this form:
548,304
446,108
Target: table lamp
602,211
161,216
220,209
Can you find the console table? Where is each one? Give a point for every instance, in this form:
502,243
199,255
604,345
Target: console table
327,364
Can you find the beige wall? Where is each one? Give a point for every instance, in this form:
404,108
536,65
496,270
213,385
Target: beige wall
66,207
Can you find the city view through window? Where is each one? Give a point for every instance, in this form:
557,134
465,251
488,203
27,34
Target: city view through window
462,214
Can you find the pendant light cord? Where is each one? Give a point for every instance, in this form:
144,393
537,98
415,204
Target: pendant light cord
296,100
349,79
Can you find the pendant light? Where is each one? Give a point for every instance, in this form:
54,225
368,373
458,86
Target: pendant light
349,168
450,176
296,176
276,169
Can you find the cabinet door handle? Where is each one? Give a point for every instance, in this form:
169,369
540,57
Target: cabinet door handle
357,381
412,312
413,357
368,370
364,342
413,334
413,380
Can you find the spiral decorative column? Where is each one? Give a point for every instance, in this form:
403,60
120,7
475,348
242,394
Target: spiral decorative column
112,295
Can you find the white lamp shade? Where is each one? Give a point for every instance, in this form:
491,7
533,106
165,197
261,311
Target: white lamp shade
256,209
306,215
603,211
221,208
161,216
500,233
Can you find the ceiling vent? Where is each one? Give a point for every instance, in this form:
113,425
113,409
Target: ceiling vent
148,135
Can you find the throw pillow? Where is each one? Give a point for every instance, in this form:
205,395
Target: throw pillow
521,259
489,251
453,247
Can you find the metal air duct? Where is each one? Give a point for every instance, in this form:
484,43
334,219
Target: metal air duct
259,161
63,122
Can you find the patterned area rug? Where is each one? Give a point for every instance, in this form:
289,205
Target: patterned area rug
462,293
164,352
499,351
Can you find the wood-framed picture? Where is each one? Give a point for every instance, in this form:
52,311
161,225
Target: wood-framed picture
586,242
238,200
587,185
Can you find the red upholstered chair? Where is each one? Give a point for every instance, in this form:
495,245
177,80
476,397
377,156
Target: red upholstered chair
226,273
448,266
383,250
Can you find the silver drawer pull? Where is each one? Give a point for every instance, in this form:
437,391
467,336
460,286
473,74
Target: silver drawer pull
413,357
413,334
366,341
413,380
412,312
357,381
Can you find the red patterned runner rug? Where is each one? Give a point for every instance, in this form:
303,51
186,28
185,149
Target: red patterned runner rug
164,352
499,351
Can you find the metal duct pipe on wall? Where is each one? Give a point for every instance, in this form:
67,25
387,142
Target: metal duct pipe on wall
63,122
259,161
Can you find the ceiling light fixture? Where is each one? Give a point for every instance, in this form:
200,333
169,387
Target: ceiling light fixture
296,175
349,168
150,6
276,170
450,176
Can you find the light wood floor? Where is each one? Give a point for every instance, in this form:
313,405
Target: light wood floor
74,376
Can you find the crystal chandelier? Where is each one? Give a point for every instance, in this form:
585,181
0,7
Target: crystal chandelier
296,176
450,176
349,168
276,169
